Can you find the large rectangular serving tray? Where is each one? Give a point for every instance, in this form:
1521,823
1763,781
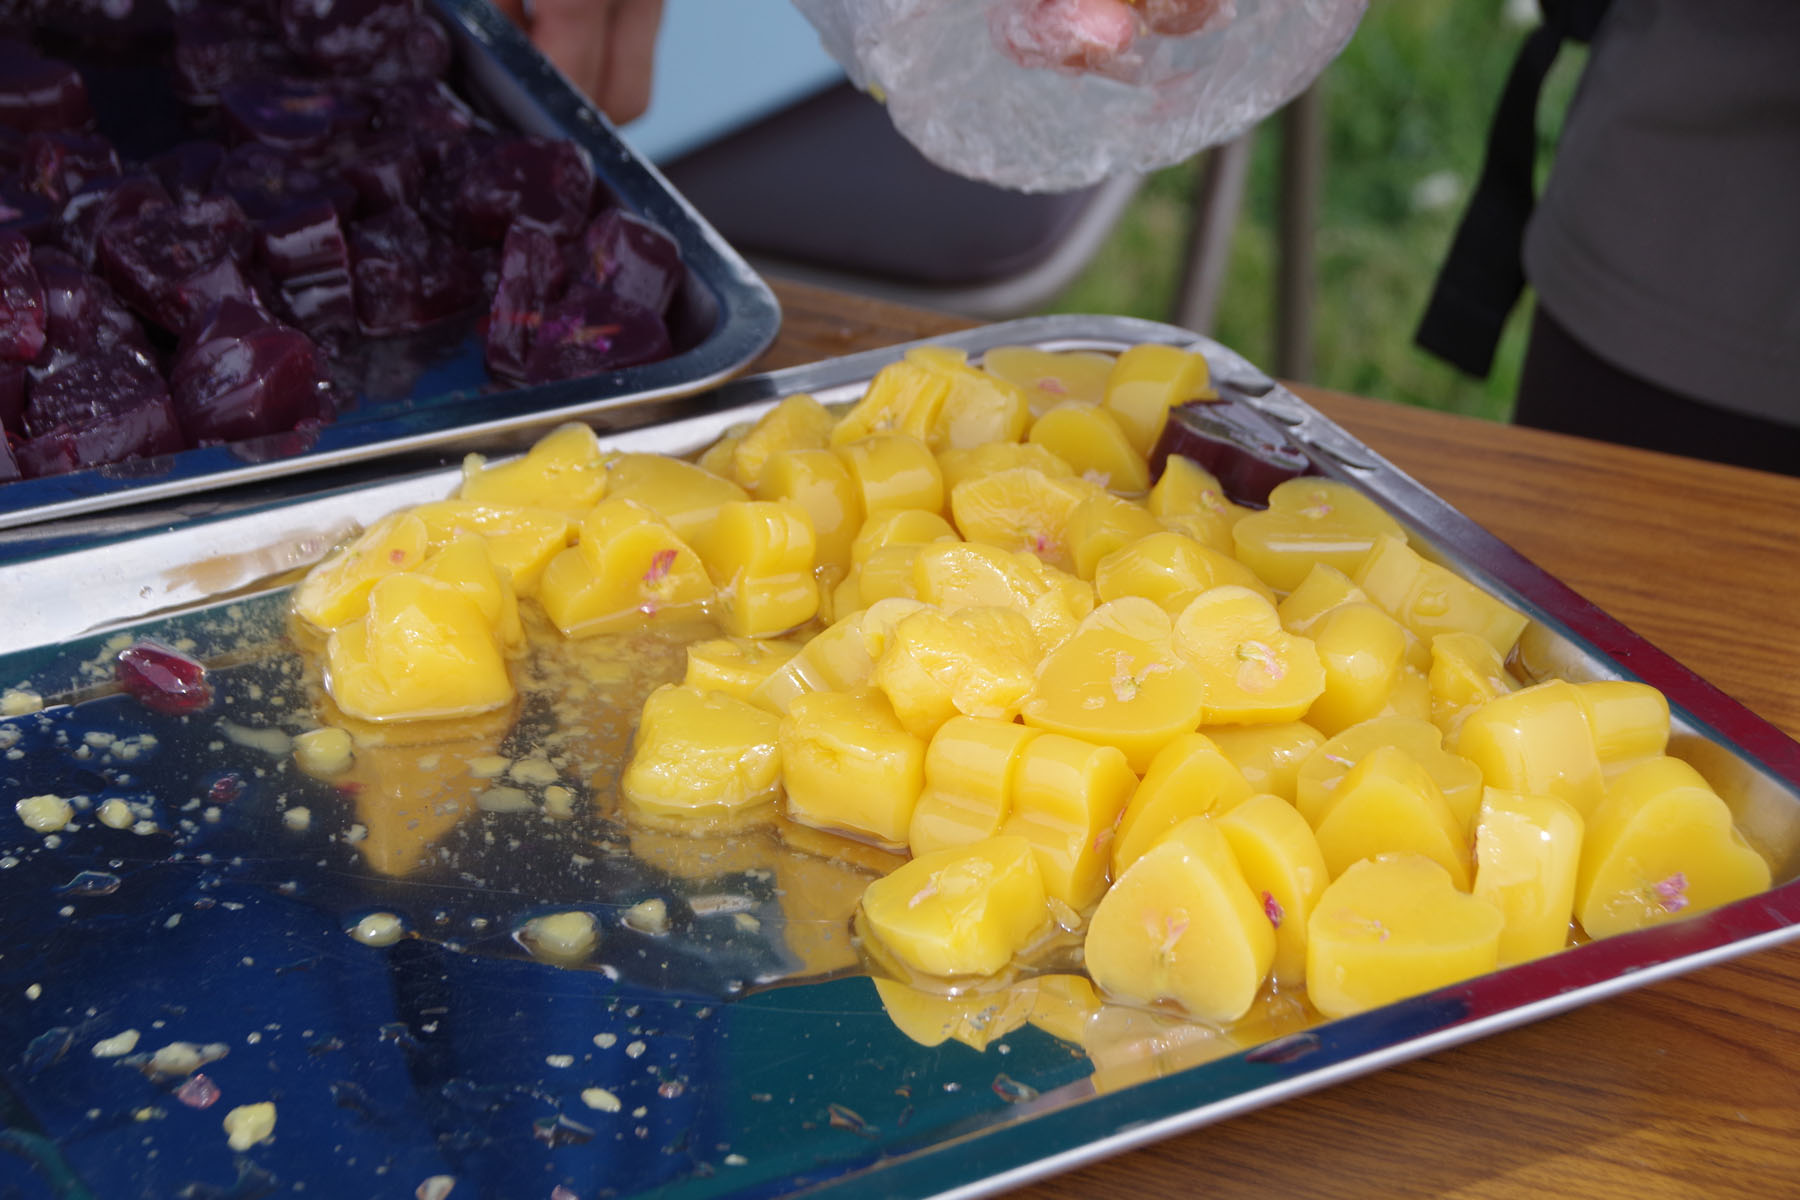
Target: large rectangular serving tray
724,316
809,1088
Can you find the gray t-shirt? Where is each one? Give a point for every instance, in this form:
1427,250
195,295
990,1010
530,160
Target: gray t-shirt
1668,238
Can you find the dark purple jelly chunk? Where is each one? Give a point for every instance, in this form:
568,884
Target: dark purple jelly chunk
82,312
632,258
427,112
9,463
308,261
188,170
101,203
297,116
162,679
1245,451
22,311
103,407
24,211
173,263
407,275
218,43
592,330
542,183
531,277
38,93
360,37
12,398
385,173
57,165
241,375
266,182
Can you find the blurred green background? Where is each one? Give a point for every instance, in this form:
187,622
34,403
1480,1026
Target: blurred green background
1407,111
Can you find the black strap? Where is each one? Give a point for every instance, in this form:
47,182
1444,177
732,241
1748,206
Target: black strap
1484,274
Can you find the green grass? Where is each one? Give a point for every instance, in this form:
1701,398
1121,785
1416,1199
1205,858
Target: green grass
1409,100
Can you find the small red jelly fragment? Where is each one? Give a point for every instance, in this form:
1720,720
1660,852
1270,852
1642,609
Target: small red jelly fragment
660,564
1273,910
163,680
197,1091
225,789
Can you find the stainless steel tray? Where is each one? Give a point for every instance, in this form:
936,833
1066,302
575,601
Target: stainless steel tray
449,404
744,1089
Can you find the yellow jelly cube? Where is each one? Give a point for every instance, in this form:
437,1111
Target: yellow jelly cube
1191,496
1363,651
963,911
1095,444
1118,681
976,661
893,471
1051,377
1393,927
1250,669
903,398
1429,599
1629,721
1067,795
975,462
717,458
978,409
898,527
465,563
1661,846
1324,588
1183,925
683,494
565,471
736,666
839,658
969,770
1147,381
702,760
1527,852
1189,777
889,573
1310,520
1284,867
1268,756
1020,508
1457,779
1389,804
819,483
628,567
1466,672
1171,569
520,540
1536,740
798,423
954,575
423,649
337,590
1102,524
760,555
975,1019
850,766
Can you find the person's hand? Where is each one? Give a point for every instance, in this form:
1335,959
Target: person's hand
605,47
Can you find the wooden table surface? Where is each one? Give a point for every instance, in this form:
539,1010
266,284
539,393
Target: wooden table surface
1688,1088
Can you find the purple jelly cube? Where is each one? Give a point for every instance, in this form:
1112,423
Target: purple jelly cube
101,203
407,275
9,463
171,264
12,399
82,312
1245,451
103,407
38,93
24,211
22,310
359,37
385,171
57,165
188,170
308,261
532,276
592,330
633,258
267,182
543,183
426,112
299,117
240,374
218,43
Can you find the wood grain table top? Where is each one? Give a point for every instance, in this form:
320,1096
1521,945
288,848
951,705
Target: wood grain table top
1686,1088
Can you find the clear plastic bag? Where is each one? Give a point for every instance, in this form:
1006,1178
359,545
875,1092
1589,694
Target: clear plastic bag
1051,95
